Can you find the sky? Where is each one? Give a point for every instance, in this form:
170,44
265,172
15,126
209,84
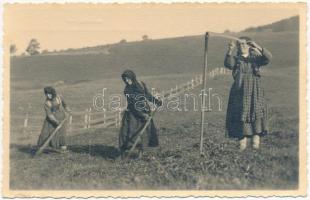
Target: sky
65,26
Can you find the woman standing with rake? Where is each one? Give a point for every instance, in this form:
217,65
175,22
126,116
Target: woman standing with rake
55,109
247,114
136,115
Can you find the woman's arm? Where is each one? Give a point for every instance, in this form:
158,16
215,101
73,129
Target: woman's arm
150,97
229,61
265,56
51,117
135,109
64,104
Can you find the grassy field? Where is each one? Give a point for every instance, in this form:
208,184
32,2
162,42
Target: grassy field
93,161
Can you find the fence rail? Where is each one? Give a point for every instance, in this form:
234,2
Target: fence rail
104,119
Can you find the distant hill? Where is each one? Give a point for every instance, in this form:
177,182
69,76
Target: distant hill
181,55
290,24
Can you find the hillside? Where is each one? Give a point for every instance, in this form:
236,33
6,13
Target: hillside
150,57
154,57
290,24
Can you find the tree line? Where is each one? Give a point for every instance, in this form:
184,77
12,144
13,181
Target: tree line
34,47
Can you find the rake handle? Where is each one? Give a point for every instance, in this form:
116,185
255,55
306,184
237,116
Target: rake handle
40,150
142,131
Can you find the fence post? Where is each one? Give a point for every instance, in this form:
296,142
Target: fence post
184,87
176,89
104,117
193,83
189,85
89,118
85,119
197,80
70,123
25,123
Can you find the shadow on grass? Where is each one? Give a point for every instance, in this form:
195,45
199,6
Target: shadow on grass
104,151
27,149
100,150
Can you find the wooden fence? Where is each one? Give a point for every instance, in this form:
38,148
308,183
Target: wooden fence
89,119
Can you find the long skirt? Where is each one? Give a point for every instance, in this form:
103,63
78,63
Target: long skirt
130,129
48,128
247,112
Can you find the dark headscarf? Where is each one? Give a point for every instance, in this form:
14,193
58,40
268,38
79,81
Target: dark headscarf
129,74
135,83
50,90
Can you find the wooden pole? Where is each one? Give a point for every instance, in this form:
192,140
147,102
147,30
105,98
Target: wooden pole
70,123
40,150
104,117
85,119
25,123
204,86
89,118
193,84
89,149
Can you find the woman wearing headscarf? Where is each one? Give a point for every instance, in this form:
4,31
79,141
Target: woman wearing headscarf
55,110
247,114
137,113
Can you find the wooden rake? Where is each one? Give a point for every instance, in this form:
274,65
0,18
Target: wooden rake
142,131
40,150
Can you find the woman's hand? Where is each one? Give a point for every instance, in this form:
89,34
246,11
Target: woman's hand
256,52
57,123
231,47
146,116
255,45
